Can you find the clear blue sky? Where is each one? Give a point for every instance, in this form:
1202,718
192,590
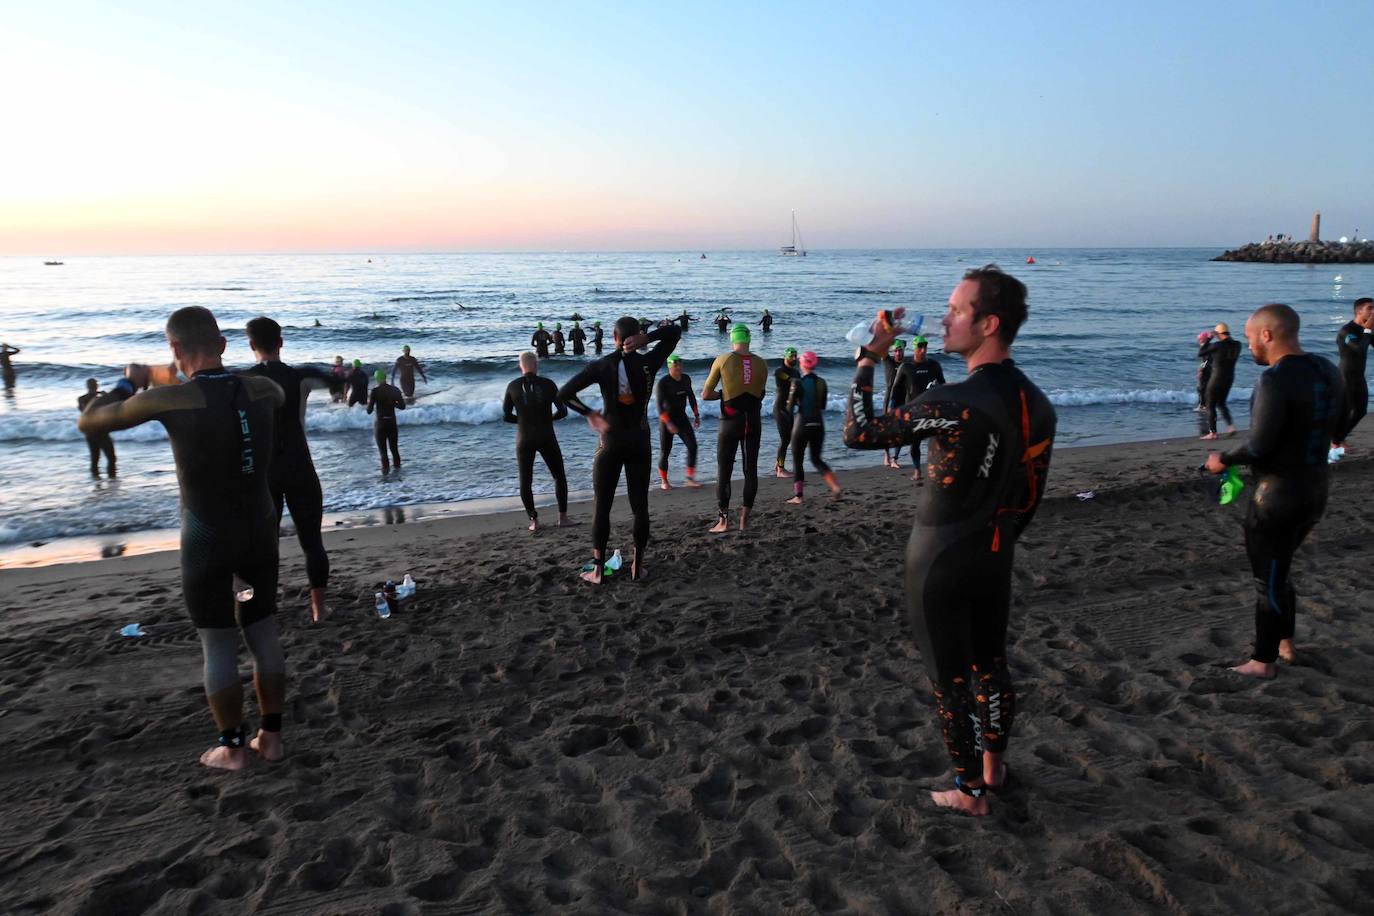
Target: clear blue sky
164,127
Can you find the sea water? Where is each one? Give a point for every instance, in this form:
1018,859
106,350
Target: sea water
1111,339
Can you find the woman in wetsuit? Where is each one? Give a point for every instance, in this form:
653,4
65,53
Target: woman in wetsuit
807,400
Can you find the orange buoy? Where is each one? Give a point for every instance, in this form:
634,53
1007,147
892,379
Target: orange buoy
1030,260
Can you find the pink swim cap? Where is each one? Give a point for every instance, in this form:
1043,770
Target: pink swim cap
809,359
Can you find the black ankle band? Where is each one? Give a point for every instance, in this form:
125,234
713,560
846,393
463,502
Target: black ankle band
970,791
271,721
232,737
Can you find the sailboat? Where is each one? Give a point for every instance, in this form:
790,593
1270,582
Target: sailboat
797,248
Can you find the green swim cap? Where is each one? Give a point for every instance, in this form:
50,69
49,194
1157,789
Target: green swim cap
739,334
558,327
541,325
674,358
380,375
920,341
789,352
899,344
357,364
596,324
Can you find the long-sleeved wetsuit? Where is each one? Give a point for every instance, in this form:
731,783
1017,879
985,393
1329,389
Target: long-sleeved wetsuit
674,396
626,382
98,443
1223,353
357,387
742,377
1352,343
386,400
911,379
1294,410
806,401
578,338
782,417
531,402
220,425
990,441
598,335
540,340
406,366
291,476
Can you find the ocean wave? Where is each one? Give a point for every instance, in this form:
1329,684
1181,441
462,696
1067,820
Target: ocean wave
1086,397
442,295
865,292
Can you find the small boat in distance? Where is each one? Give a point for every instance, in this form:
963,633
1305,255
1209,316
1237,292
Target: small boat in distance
797,248
52,263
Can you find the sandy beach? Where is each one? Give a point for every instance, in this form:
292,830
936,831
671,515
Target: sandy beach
749,730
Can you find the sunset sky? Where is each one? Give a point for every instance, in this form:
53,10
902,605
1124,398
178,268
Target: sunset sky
166,128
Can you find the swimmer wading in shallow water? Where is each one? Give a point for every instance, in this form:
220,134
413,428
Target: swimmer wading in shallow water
990,439
220,425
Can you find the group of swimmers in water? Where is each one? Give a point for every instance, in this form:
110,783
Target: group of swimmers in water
241,454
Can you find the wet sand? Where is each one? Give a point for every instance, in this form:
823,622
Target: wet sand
749,730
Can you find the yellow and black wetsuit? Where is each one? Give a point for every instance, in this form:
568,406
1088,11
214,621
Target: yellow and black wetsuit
742,378
221,428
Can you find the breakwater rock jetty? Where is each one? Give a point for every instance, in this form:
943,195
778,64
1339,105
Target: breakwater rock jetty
1303,253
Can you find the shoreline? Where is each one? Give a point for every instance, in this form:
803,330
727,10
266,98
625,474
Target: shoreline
154,549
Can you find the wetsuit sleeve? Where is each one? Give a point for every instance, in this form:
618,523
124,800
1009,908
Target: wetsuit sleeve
667,337
1266,424
691,395
661,396
400,402
110,412
508,405
567,395
708,392
372,399
908,424
560,409
794,395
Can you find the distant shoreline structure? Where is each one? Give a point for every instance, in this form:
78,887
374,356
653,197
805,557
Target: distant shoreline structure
1302,253
1284,250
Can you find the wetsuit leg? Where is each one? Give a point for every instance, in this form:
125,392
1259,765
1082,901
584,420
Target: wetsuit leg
665,446
958,599
379,436
784,424
606,467
306,502
107,446
639,456
524,459
408,388
753,438
815,438
727,443
93,444
552,454
210,557
393,439
1278,520
798,453
689,436
1356,405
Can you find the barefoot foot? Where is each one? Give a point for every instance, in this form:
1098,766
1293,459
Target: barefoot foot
1262,670
967,804
1287,652
1209,436
721,526
693,484
564,521
795,501
268,745
224,758
534,524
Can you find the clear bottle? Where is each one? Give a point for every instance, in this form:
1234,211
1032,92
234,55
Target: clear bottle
383,606
862,334
615,562
407,587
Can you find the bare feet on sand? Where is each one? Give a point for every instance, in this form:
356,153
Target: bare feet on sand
664,485
721,526
692,483
1209,436
781,472
220,757
564,521
268,745
592,575
966,804
318,609
1287,652
795,501
743,519
534,524
1262,670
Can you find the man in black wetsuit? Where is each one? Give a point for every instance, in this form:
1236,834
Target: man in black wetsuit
220,427
1204,369
598,336
1295,408
1352,343
7,367
540,340
1223,351
675,395
990,440
386,400
291,471
766,322
406,366
914,377
684,321
559,344
98,443
531,402
357,384
578,338
807,401
782,417
722,323
891,362
626,381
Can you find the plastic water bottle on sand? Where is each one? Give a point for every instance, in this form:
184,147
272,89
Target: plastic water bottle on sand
407,587
383,606
614,563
